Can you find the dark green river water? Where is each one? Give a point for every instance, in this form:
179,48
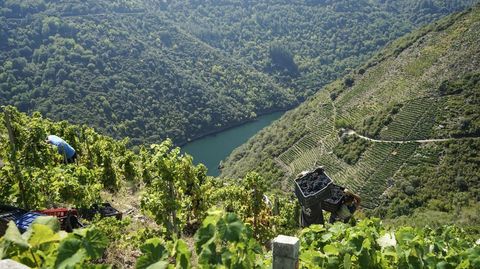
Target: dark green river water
211,149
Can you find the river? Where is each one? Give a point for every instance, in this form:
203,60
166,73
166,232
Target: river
211,149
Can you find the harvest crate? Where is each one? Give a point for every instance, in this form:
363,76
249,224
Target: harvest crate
313,187
105,210
68,217
332,203
59,212
7,214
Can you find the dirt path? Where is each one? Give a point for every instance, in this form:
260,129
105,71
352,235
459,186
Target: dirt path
352,132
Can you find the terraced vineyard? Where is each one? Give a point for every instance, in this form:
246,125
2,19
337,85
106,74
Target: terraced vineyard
395,100
371,175
353,115
379,162
414,121
302,155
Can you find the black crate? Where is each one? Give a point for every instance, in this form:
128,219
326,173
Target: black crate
321,194
311,215
7,214
332,203
5,218
105,210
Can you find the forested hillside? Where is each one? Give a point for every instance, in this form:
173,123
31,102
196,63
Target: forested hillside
403,130
127,73
151,70
304,44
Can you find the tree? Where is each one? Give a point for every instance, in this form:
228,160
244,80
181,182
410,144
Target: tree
282,60
173,193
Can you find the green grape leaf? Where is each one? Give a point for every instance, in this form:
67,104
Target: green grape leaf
13,235
51,222
347,261
367,244
326,237
94,243
254,246
444,265
204,236
208,254
70,253
182,254
3,250
226,258
230,228
390,252
357,243
154,255
315,228
311,257
364,260
42,234
404,235
330,250
157,265
337,228
212,218
62,234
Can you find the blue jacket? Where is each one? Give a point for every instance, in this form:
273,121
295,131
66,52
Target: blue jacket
62,146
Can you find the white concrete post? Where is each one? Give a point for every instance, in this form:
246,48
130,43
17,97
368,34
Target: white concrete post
11,264
285,251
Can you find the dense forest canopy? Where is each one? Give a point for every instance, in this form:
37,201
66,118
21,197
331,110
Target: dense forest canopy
313,42
129,73
179,69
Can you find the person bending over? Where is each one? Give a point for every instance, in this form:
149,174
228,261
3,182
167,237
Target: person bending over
350,204
67,151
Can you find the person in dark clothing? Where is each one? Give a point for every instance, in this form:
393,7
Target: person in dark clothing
312,215
350,204
68,152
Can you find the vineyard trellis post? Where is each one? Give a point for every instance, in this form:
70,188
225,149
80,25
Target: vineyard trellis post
285,250
174,211
13,153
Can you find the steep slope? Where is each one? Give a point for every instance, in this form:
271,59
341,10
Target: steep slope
34,177
424,86
126,72
304,44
